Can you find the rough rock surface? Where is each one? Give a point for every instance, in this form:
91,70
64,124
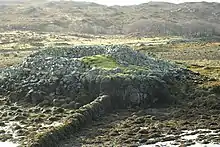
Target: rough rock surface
71,77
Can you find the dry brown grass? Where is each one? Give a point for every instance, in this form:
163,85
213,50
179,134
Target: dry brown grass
11,59
16,45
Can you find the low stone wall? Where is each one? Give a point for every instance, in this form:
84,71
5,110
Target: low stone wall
83,116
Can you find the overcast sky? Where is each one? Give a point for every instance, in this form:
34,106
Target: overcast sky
131,2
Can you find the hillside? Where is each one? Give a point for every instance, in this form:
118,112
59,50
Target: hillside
153,18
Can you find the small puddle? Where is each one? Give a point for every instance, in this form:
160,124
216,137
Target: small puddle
54,124
171,144
187,135
9,129
192,135
8,144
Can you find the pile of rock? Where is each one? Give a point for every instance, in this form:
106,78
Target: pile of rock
60,77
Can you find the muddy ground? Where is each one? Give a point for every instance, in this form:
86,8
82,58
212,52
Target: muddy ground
136,127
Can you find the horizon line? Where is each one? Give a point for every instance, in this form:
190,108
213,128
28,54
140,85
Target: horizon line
157,1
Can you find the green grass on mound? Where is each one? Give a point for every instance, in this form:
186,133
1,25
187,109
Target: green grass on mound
101,61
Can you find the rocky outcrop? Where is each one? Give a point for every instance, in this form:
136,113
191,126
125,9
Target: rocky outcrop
72,77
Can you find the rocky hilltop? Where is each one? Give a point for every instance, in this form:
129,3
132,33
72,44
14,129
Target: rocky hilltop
72,77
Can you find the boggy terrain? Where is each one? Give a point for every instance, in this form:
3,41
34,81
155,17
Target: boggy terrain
161,126
56,90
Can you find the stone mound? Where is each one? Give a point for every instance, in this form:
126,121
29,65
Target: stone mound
72,77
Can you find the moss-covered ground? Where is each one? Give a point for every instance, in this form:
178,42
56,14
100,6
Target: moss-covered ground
101,61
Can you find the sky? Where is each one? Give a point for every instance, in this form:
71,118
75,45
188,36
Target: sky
132,2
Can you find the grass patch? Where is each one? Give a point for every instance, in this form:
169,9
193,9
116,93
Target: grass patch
102,61
108,63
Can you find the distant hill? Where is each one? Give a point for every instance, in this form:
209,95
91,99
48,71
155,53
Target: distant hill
148,19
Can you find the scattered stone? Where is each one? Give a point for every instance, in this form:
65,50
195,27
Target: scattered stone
133,145
153,141
21,132
38,120
114,133
5,137
2,124
46,111
17,127
58,110
205,142
143,131
71,105
77,105
19,111
170,138
2,131
18,118
53,118
35,110
14,108
143,140
189,143
44,103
